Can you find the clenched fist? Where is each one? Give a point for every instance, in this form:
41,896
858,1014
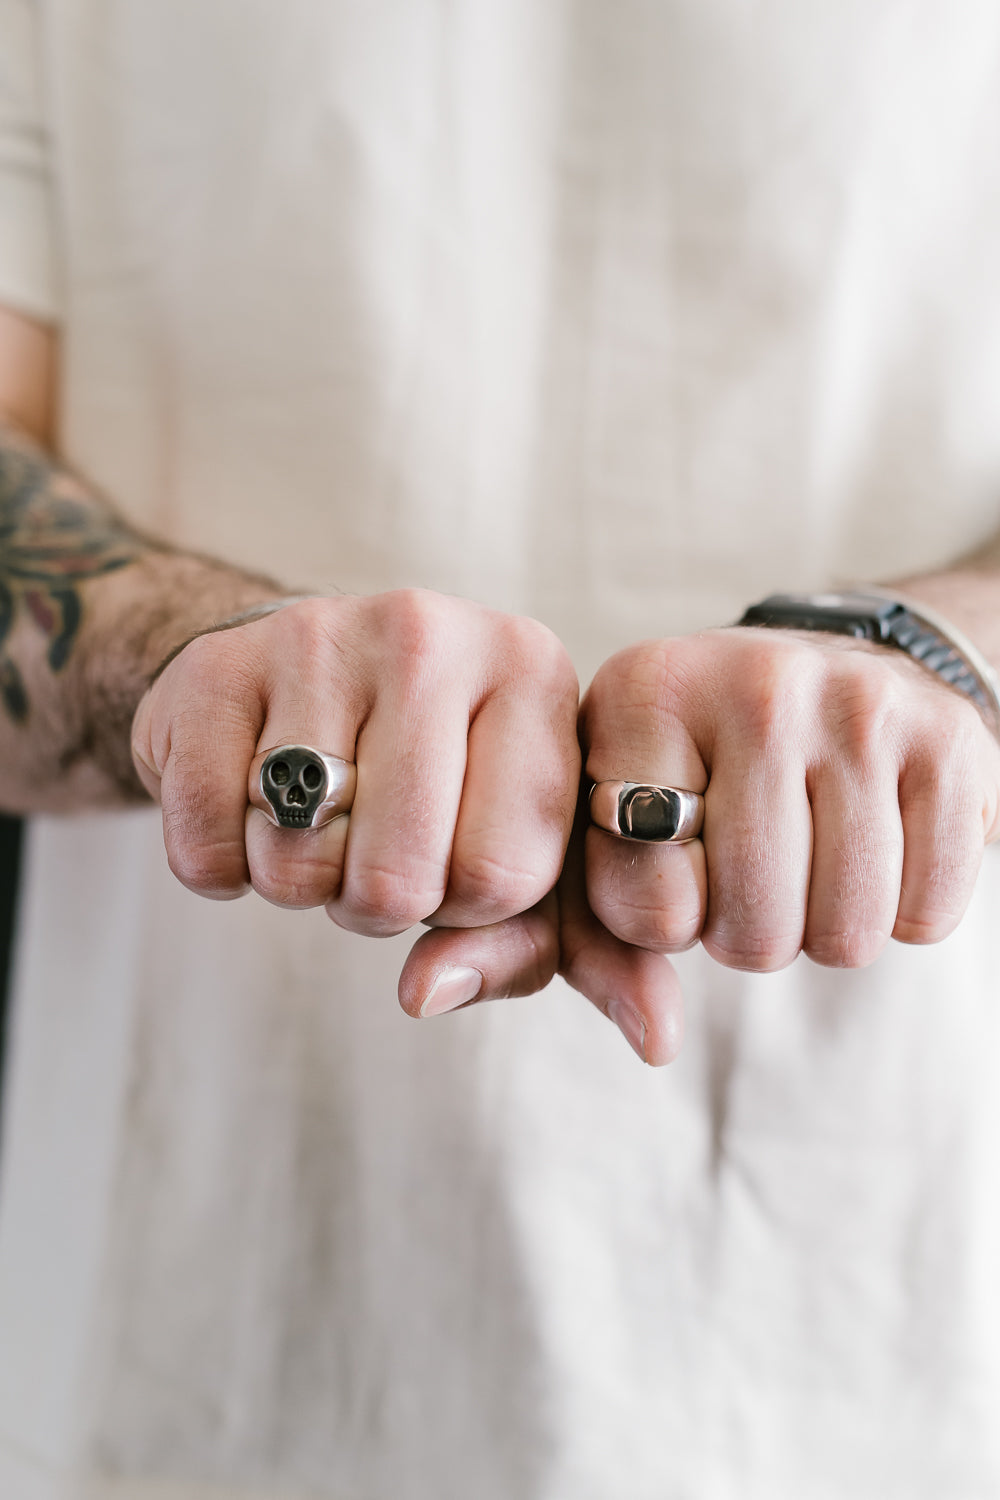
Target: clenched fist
848,796
461,721
462,724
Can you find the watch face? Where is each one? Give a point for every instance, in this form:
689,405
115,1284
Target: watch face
827,601
802,602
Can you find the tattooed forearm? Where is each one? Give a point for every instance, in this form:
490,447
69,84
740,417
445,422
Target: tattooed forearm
53,537
88,608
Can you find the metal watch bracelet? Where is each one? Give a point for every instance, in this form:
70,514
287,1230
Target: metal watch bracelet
923,634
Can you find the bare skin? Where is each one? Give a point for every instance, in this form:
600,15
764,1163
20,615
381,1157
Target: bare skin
445,706
849,793
849,797
88,608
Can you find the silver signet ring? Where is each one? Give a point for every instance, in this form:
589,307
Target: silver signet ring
299,787
650,814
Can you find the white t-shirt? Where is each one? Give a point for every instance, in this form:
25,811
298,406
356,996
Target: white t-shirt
621,316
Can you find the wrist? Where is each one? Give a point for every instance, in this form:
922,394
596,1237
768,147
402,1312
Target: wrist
897,621
147,615
247,616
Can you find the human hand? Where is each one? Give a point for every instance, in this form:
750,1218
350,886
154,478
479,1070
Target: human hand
848,797
462,722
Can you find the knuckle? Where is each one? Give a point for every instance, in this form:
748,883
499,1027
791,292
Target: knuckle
656,674
211,656
845,947
309,624
660,929
926,926
865,699
208,869
945,802
771,690
201,653
645,899
198,671
212,680
966,731
383,899
487,884
736,946
647,677
292,885
534,646
950,876
200,859
755,918
931,912
416,624
946,774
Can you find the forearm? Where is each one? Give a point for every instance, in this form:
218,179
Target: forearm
967,593
88,609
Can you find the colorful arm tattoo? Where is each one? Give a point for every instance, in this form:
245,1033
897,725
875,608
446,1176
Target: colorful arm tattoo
53,538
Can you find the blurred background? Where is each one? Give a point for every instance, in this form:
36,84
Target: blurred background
10,849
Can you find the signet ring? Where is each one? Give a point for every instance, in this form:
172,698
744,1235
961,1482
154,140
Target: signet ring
299,787
649,814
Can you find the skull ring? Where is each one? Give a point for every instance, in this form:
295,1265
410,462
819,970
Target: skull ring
298,787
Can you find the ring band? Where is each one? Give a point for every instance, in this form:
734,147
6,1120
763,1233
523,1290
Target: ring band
299,787
651,814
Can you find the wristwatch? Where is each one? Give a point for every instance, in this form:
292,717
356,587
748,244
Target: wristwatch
872,615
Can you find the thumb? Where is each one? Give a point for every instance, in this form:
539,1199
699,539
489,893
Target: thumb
142,748
449,967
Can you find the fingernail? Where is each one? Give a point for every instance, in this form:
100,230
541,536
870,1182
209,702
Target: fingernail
452,988
630,1025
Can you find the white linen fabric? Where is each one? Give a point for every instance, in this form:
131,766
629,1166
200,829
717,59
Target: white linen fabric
27,270
621,316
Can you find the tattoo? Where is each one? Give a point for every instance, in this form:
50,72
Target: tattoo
52,540
88,606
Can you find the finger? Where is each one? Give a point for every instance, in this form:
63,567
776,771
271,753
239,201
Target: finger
143,754
450,967
517,804
411,759
194,738
321,706
295,867
857,862
636,989
650,895
944,830
758,840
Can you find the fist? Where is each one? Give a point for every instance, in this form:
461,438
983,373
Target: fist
462,725
848,797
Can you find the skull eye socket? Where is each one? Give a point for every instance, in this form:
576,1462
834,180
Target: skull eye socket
312,777
280,772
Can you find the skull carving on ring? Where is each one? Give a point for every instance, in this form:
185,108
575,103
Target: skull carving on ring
299,787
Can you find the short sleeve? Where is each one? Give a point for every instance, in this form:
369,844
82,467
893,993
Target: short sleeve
27,260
